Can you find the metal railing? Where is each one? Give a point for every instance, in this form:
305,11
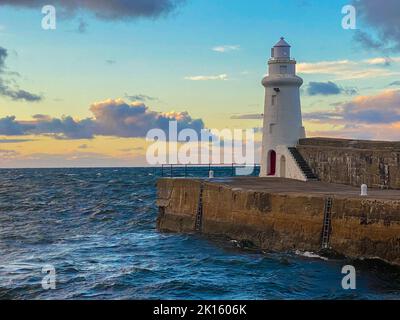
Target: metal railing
203,170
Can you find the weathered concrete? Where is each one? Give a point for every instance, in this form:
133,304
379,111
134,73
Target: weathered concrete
353,162
281,214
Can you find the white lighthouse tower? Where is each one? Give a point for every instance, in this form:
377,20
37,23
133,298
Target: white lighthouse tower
283,125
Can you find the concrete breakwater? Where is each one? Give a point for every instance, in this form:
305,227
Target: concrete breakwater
285,215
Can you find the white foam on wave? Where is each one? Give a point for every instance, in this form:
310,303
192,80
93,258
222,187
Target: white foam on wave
309,254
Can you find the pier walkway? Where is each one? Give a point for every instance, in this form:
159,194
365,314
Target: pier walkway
289,186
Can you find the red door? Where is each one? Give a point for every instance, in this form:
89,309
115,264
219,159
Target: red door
272,163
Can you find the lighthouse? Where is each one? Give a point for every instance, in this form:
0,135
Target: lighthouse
283,125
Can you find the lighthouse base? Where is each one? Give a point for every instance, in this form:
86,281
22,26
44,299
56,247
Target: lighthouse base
280,163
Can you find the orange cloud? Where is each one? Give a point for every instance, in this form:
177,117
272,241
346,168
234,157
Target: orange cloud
364,117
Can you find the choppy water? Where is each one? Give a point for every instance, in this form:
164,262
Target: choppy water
97,228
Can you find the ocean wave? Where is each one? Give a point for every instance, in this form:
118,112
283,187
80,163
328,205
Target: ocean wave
97,228
309,254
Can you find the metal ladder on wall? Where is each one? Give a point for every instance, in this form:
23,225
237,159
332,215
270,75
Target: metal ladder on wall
199,214
327,225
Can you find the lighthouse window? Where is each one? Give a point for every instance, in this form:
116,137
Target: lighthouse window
273,102
271,128
283,69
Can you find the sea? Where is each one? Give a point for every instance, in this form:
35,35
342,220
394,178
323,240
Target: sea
91,234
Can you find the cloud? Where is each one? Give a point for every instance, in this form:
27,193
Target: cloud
365,117
390,132
384,61
18,94
383,19
226,48
110,118
132,149
70,159
323,88
383,108
10,127
324,67
347,69
328,88
13,91
83,146
249,116
394,83
8,154
15,140
64,128
367,42
140,97
3,57
207,78
105,9
118,118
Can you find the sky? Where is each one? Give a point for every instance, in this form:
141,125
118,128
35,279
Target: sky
86,93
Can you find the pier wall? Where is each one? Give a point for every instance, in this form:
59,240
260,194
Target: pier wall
361,228
353,162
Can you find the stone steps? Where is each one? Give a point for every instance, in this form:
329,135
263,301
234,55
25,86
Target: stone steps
309,174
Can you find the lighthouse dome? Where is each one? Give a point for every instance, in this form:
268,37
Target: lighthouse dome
282,43
281,50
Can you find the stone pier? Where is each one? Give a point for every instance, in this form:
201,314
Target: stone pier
285,215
